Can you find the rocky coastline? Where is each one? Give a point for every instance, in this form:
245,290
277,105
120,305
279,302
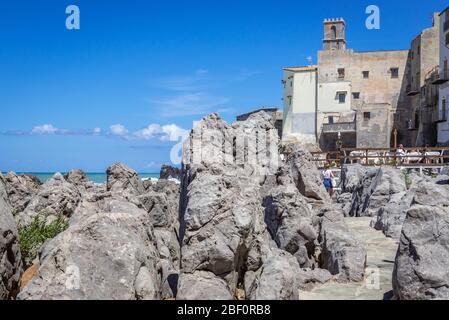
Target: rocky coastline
232,229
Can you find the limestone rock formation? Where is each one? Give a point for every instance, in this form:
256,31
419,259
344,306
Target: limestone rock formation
168,172
351,174
106,256
342,254
21,188
76,177
423,256
162,204
390,217
10,257
56,199
121,178
375,189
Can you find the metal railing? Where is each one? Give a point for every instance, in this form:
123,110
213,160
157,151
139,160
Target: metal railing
418,156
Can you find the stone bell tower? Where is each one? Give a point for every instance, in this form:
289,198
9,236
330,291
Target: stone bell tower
334,34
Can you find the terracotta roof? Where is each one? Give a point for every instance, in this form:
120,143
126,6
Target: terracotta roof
309,68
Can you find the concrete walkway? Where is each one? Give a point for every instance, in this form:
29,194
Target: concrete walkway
381,252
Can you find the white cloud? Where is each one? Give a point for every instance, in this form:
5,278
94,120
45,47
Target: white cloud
201,71
118,130
173,133
97,131
44,129
170,132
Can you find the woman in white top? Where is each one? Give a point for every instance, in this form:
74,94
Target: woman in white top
327,175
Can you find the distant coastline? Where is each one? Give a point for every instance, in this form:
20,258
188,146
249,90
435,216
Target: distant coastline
96,177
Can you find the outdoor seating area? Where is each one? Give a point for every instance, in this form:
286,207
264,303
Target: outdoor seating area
399,157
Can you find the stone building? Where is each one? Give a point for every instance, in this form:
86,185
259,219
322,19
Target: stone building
358,96
441,78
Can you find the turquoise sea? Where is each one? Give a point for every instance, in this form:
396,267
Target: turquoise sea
93,176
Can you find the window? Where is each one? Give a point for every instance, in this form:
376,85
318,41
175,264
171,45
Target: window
447,39
341,97
356,95
394,73
341,73
333,33
365,74
291,84
419,50
366,116
331,119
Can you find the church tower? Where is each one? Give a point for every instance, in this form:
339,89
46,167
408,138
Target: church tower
334,34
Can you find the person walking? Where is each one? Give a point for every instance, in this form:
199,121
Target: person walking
327,175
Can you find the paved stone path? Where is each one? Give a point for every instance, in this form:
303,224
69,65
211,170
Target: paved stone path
381,252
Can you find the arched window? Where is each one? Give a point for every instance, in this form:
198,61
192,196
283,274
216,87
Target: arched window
333,32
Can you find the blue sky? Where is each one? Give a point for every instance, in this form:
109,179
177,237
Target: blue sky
138,73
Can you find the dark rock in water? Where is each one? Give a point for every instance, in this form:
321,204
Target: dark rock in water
421,268
121,178
169,172
10,257
56,199
21,188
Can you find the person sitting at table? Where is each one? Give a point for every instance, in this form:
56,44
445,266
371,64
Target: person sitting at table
400,152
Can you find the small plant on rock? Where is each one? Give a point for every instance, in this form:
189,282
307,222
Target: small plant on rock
33,236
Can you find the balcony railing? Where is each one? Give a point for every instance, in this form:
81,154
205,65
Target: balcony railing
339,127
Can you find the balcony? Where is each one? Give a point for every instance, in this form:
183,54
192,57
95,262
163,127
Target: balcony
440,77
344,127
411,90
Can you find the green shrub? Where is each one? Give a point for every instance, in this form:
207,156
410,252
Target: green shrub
408,181
33,236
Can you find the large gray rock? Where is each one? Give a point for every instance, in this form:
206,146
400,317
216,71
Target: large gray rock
203,285
305,174
342,254
223,230
390,217
121,178
376,189
290,222
21,188
56,199
421,269
10,258
351,174
162,204
106,256
277,279
76,177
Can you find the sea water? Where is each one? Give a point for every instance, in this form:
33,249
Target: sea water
94,177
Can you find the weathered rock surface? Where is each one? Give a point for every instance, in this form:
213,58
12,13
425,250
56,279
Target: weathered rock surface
162,204
342,254
421,268
121,178
351,176
76,177
390,218
169,172
375,189
56,199
10,257
107,256
305,174
21,188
